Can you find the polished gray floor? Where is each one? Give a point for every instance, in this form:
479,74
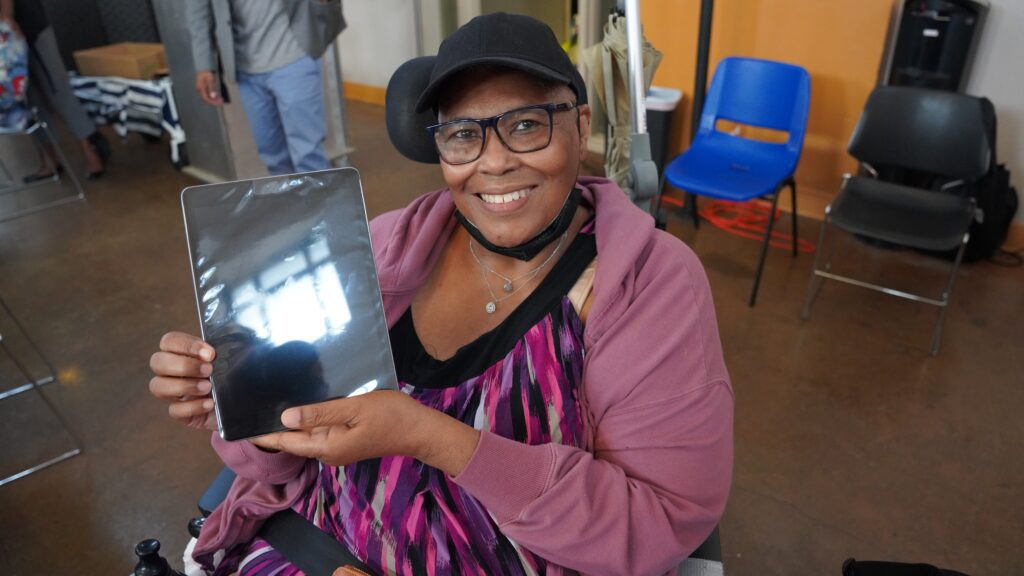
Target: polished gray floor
850,439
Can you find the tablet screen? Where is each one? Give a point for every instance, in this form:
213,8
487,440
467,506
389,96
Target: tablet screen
287,293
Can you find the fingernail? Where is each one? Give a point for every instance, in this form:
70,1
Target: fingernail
206,369
208,404
204,386
291,418
206,354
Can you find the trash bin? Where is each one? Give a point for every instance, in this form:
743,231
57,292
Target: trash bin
661,103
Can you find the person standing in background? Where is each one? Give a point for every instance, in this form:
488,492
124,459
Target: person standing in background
50,81
271,48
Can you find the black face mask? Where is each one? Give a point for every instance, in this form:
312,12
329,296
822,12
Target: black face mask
528,250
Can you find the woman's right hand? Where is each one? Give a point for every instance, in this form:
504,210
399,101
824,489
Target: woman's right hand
182,371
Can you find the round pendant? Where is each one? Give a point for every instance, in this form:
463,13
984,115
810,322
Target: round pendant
491,307
507,287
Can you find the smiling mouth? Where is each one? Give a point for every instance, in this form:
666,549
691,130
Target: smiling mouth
505,198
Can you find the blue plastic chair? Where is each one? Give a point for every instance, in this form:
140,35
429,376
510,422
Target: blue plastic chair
730,167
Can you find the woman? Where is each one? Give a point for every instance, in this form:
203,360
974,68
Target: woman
50,81
565,407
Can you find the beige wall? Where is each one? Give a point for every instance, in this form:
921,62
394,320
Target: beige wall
998,74
380,37
552,13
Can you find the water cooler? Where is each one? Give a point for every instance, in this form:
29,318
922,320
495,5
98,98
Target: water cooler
931,43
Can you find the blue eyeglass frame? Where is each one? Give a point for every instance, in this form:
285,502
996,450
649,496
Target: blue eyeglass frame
492,123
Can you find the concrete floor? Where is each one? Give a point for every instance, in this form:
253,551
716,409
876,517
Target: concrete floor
850,439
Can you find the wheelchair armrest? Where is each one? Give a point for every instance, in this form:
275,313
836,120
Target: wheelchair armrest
706,560
214,495
711,549
217,491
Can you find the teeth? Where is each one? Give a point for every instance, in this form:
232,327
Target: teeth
503,198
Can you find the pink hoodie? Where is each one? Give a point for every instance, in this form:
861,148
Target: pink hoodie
655,477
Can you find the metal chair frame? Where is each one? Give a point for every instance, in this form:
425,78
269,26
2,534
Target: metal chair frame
39,124
791,183
34,384
691,209
819,274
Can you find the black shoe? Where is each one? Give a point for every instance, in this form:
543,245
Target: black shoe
101,145
37,177
95,175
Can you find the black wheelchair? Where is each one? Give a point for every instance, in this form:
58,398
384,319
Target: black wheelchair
313,551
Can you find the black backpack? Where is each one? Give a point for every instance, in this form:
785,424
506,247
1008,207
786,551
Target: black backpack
997,199
997,202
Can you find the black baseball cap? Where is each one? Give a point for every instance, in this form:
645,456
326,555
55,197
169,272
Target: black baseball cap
501,39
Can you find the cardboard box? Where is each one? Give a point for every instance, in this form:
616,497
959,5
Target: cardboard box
137,60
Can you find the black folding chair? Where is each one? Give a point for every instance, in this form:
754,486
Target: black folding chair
939,137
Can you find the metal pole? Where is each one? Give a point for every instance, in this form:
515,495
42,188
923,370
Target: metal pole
336,145
634,43
643,173
700,83
700,86
417,8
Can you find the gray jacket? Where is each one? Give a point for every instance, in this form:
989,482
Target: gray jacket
315,24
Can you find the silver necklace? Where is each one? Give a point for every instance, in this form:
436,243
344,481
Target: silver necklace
492,306
508,284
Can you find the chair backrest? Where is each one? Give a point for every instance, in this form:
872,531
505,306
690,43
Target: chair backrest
759,93
932,131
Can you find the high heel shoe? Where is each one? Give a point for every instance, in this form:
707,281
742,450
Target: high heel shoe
37,176
101,145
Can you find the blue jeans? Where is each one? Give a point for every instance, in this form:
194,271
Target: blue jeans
285,108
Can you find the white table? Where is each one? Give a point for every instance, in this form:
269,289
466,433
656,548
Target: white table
144,106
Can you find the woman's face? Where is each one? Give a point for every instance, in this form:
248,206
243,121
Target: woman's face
512,196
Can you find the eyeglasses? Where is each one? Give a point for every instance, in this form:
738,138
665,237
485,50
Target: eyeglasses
522,130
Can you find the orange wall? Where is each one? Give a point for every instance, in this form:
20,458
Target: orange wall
839,42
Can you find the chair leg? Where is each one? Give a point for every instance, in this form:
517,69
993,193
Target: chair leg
691,203
792,188
33,385
831,249
937,331
52,373
63,160
660,220
816,281
661,192
5,175
764,247
76,445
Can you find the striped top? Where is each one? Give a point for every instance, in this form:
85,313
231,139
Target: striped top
519,380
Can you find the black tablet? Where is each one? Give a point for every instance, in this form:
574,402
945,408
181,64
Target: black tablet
287,293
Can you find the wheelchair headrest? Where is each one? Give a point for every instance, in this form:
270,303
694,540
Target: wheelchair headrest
406,127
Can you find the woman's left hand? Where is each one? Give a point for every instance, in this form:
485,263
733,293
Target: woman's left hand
382,423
